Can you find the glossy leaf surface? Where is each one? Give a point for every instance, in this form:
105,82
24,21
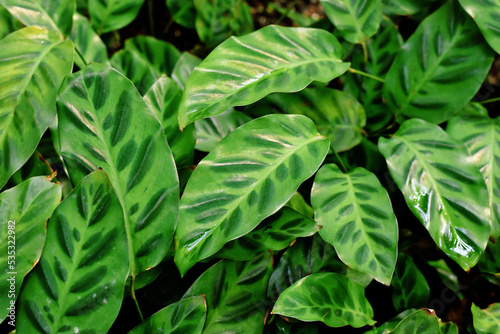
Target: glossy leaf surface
486,14
244,69
160,55
442,187
317,298
357,218
137,69
33,63
486,321
185,316
247,177
184,67
388,326
235,294
104,123
24,211
420,322
109,15
87,42
79,280
410,289
440,68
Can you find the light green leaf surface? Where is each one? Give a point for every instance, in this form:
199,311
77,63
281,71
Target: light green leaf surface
248,176
78,284
8,23
410,289
486,321
442,187
136,69
440,68
407,7
160,55
24,211
388,326
486,14
87,42
109,15
184,67
33,63
317,298
104,123
299,204
420,322
244,69
357,218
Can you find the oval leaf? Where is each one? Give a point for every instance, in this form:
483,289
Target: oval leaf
184,67
420,322
87,41
251,174
244,69
486,321
357,218
104,123
442,187
135,68
410,289
486,14
109,15
78,284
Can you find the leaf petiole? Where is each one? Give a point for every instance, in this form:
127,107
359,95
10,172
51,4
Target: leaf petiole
352,70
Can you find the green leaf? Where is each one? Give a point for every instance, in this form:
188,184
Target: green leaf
182,11
280,326
109,15
24,211
210,131
486,321
486,14
249,175
87,42
47,14
184,67
185,316
489,261
78,284
337,115
356,20
104,123
235,294
35,166
481,135
448,328
317,298
33,63
135,68
419,322
298,203
440,68
244,69
388,326
410,289
274,233
407,7
8,23
442,187
447,276
357,218
160,55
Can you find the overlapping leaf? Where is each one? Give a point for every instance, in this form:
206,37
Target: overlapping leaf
183,12
87,42
104,122
8,23
317,298
388,326
486,321
184,67
486,14
78,284
160,55
440,68
235,294
407,7
442,187
357,218
185,316
137,69
299,204
35,166
481,135
420,322
244,69
24,211
109,15
247,177
33,63
410,289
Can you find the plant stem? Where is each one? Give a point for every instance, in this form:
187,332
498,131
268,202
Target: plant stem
490,100
287,12
132,294
365,51
352,70
341,163
81,56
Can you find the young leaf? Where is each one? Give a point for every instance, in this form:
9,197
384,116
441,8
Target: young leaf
24,211
440,68
486,321
104,123
78,284
185,316
249,175
317,298
33,63
137,69
87,41
109,15
357,218
442,187
184,67
419,322
244,69
410,289
160,55
235,294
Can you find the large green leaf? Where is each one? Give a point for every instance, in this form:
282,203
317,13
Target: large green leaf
486,321
442,187
48,14
184,67
481,135
33,63
235,294
486,14
249,175
337,115
78,284
35,166
410,289
104,123
24,211
87,42
357,218
160,55
388,326
136,68
274,233
182,11
356,20
317,298
419,322
440,68
183,317
244,69
109,15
